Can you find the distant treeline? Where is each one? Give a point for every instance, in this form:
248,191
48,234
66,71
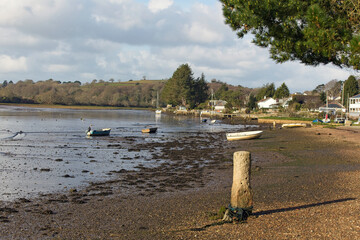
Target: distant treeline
142,93
98,93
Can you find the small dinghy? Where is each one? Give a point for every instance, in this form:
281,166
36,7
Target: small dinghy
99,132
293,125
149,130
243,135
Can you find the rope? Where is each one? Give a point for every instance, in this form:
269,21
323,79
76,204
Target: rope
235,214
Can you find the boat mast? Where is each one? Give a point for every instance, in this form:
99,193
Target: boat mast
157,99
327,106
212,101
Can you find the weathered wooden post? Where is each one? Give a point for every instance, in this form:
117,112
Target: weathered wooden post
241,193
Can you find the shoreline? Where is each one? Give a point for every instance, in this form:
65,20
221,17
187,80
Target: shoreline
299,176
75,107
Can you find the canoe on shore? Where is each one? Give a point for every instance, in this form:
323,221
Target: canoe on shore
149,130
243,135
293,125
99,132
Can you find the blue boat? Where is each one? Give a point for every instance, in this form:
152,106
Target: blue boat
99,132
317,121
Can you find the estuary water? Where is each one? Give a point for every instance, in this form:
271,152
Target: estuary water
46,150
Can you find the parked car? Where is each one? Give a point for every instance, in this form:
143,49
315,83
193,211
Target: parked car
339,120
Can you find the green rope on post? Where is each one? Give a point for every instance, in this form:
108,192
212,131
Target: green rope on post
235,214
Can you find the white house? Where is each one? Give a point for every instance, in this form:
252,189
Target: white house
354,106
284,102
270,103
219,105
266,103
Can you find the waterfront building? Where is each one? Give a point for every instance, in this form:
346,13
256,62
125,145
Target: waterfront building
354,106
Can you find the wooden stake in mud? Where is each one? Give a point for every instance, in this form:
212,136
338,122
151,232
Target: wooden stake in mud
241,193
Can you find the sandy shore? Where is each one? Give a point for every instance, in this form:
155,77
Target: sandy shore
306,185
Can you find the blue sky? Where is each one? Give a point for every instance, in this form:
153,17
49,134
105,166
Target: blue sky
70,40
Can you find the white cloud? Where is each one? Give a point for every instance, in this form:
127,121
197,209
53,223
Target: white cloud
128,39
122,14
62,48
9,64
89,76
12,37
199,33
101,62
159,5
22,12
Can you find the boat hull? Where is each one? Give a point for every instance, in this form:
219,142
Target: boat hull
149,130
293,125
99,132
243,135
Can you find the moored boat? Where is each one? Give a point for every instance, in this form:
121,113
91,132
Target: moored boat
99,132
243,135
293,125
149,130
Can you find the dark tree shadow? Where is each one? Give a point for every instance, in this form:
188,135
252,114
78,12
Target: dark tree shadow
267,212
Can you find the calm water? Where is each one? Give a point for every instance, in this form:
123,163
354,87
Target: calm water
53,153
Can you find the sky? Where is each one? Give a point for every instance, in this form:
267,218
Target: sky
83,40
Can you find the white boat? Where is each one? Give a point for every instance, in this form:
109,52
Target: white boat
158,111
326,120
243,135
293,125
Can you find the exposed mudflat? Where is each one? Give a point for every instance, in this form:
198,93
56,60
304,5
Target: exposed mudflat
306,185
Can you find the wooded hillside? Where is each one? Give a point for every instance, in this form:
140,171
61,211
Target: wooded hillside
121,94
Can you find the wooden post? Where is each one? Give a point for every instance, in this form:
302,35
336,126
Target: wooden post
241,193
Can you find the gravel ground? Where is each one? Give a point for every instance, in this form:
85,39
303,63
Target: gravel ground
306,185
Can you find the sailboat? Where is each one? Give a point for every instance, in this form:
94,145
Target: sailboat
212,121
158,111
326,119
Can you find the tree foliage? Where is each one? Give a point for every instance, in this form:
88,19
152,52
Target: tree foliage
323,97
126,94
267,90
352,10
333,88
351,88
313,32
201,90
282,91
234,97
252,102
319,88
183,89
